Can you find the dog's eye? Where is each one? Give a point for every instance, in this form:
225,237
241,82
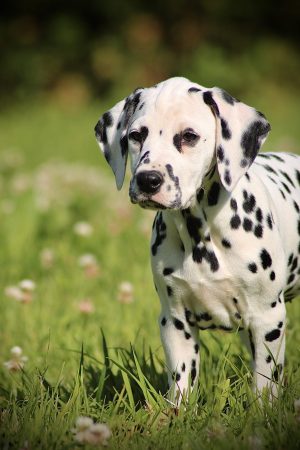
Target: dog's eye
189,136
136,136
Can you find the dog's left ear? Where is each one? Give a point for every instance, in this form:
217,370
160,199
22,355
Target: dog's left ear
240,132
111,134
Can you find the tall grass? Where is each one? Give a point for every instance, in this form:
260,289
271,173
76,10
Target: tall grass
92,349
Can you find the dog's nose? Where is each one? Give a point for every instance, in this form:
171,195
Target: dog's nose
149,181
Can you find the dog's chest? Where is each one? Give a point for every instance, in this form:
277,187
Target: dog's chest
204,282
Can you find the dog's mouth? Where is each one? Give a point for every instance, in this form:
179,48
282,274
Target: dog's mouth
147,203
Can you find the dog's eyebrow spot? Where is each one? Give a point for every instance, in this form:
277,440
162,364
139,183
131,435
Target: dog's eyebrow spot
194,89
177,141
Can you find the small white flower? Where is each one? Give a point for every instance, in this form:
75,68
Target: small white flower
86,306
27,285
47,258
125,292
87,260
17,361
14,292
88,432
83,229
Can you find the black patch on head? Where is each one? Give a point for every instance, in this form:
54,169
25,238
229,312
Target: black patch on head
272,335
144,133
252,267
265,258
251,138
108,119
177,141
208,99
228,98
226,133
194,89
213,194
163,321
273,304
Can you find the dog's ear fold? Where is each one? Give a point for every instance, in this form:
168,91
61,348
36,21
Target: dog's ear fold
111,134
240,132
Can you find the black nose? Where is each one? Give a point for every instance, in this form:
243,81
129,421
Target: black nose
149,181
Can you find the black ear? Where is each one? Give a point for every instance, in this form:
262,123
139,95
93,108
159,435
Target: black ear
240,132
111,134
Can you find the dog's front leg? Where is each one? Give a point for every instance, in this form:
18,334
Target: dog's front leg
266,339
181,346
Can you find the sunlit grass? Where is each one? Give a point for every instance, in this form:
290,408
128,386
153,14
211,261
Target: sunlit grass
89,328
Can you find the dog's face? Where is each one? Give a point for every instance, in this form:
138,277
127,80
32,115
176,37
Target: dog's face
174,133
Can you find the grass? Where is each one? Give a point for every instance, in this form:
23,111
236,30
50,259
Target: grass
108,363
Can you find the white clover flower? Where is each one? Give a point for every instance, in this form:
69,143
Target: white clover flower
47,258
27,285
87,260
14,292
83,229
17,361
125,292
90,265
86,306
88,432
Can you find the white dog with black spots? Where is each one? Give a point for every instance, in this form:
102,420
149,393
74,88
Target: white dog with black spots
226,237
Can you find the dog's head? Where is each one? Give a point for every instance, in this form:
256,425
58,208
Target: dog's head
175,132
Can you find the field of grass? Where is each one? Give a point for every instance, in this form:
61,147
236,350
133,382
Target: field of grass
87,324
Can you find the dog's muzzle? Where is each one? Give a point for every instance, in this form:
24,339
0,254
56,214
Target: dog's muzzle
149,181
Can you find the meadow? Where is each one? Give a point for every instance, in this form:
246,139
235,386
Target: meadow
79,310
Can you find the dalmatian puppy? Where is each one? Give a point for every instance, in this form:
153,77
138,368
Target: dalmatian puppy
226,237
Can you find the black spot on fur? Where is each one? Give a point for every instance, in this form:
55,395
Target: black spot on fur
177,141
252,267
227,177
226,133
183,367
247,224
265,258
235,222
269,221
258,231
169,291
233,204
196,348
259,215
277,372
268,359
160,228
249,203
251,138
163,321
273,304
226,243
213,194
168,271
193,225
220,153
272,335
178,324
194,89
208,99
124,145
251,344
272,275
228,98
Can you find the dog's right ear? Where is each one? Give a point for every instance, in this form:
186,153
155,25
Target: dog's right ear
111,134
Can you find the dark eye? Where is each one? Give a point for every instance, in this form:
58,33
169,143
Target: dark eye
136,136
189,136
